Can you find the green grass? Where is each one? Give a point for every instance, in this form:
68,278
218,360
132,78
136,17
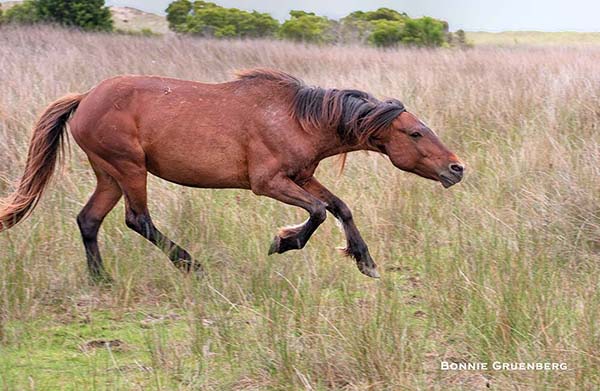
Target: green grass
48,354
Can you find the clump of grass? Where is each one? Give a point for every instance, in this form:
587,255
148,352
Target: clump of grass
503,267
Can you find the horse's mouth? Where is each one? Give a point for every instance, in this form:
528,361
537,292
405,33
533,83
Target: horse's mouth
449,179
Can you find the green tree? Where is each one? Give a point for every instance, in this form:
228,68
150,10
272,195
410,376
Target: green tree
177,13
381,27
386,32
379,14
24,13
425,31
258,25
307,27
209,19
387,27
86,14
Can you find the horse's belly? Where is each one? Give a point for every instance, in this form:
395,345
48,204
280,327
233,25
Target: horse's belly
213,170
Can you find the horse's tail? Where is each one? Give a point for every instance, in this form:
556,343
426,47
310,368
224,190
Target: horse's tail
45,146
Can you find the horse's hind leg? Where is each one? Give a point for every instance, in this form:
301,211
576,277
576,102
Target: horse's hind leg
105,197
138,218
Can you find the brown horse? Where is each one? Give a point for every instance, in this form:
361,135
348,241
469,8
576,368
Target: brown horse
265,131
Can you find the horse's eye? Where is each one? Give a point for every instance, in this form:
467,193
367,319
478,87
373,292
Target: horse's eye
416,135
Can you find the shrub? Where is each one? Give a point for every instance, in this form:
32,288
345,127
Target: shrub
210,19
386,27
86,14
424,31
24,13
307,27
379,14
383,27
177,13
386,33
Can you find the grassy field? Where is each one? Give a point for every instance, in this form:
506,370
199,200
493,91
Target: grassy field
503,267
537,38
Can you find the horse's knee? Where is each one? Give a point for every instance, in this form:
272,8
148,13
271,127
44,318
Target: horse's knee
319,213
88,226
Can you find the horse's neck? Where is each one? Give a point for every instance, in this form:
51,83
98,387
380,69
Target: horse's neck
331,145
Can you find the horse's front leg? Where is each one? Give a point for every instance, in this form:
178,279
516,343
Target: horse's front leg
283,189
356,246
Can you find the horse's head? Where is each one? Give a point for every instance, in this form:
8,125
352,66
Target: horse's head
413,147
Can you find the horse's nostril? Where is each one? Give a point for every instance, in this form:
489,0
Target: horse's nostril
457,168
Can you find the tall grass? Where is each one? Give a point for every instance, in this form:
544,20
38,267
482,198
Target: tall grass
503,267
556,38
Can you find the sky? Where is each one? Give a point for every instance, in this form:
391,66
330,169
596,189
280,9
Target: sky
470,15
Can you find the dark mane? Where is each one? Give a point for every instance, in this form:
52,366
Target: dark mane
356,115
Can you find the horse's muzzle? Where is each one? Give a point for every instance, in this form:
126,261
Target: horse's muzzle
452,175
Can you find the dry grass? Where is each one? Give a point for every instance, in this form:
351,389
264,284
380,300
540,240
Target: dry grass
543,38
503,267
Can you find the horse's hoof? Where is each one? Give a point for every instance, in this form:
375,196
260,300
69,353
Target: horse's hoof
281,245
275,245
368,267
370,272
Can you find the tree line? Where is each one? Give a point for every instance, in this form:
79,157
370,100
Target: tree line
383,27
